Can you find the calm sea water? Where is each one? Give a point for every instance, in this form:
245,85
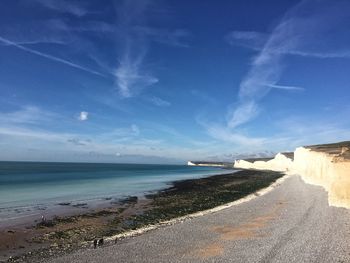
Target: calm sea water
26,186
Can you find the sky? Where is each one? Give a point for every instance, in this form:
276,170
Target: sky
166,81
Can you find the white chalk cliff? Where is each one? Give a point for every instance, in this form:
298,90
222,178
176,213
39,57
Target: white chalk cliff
214,164
280,163
327,169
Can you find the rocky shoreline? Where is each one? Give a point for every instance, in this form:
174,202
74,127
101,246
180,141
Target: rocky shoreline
65,234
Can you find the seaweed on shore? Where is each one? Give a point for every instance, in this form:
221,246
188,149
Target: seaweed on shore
190,196
65,234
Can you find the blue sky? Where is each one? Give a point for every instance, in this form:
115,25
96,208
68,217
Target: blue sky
166,81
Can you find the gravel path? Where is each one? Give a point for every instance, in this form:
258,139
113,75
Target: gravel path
292,223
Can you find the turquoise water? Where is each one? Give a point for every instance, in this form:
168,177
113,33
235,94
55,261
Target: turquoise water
25,186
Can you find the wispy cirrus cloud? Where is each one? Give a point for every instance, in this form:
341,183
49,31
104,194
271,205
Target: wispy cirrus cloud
50,57
201,95
228,130
159,101
135,129
131,35
82,26
65,6
249,39
130,75
121,134
256,41
311,35
68,32
120,144
134,35
26,115
33,33
176,38
130,78
79,142
225,134
43,40
243,113
282,87
303,30
302,26
295,131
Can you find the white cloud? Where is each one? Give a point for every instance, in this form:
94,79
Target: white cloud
159,102
248,39
207,98
225,134
59,146
300,131
27,115
122,134
28,133
135,129
246,35
78,142
83,116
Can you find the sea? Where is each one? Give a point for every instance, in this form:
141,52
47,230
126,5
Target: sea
29,189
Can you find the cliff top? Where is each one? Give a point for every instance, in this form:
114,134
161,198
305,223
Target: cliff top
265,159
342,149
211,163
289,155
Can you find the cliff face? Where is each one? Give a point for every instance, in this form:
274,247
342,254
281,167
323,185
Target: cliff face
329,169
280,163
205,163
